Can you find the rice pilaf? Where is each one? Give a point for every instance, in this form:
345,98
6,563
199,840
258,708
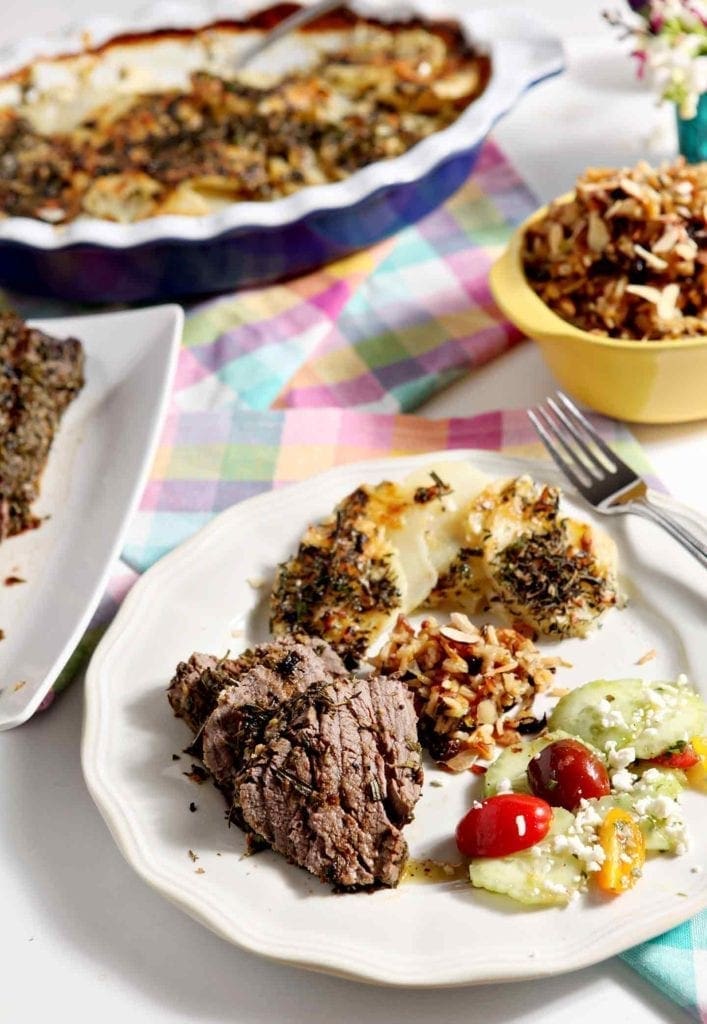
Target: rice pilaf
627,255
472,684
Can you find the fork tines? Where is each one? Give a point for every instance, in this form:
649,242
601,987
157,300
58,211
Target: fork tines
574,444
599,475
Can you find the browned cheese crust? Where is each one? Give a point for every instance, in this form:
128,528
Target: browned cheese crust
173,152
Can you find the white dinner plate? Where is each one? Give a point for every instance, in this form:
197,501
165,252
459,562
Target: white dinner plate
97,469
205,596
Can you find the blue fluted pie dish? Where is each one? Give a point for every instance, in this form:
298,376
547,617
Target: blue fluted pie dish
243,244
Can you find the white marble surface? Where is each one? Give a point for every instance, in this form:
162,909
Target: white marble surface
83,938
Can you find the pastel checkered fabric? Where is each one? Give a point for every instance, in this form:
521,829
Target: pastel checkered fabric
279,383
382,330
209,460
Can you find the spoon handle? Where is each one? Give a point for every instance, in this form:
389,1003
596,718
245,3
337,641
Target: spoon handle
295,21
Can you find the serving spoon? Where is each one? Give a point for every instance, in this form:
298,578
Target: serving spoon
295,21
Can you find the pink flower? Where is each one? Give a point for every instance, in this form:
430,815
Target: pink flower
641,59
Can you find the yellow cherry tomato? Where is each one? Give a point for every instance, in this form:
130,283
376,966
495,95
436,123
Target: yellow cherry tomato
624,852
697,775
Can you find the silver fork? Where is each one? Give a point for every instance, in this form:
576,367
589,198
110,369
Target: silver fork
598,473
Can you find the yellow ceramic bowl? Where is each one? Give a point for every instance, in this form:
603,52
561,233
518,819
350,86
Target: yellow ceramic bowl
638,381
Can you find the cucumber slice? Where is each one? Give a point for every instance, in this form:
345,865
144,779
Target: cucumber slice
511,765
648,716
654,801
538,877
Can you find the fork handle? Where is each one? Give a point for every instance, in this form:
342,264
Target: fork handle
685,515
644,507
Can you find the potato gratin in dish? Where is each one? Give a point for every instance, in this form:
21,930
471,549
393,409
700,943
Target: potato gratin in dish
369,91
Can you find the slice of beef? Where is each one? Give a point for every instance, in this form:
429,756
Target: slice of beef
334,780
288,666
196,684
39,377
289,661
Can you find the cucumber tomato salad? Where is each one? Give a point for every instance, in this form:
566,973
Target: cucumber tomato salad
582,804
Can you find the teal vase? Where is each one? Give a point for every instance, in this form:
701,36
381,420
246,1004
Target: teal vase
692,133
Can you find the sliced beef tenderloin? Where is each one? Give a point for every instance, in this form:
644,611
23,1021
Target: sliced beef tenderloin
335,779
39,377
197,683
289,666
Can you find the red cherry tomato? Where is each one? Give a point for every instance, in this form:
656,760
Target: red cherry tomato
503,824
565,772
682,755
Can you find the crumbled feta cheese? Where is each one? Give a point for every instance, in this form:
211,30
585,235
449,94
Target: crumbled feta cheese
587,815
641,806
655,698
665,812
610,716
661,807
556,887
504,786
581,838
620,758
622,781
660,703
591,855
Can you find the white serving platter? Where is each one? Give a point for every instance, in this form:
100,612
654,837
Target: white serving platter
94,478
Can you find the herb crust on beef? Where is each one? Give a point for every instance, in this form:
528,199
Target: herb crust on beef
39,377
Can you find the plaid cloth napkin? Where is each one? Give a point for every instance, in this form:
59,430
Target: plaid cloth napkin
279,383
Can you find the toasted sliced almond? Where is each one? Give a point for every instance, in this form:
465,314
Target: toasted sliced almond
650,258
464,623
668,240
687,250
632,188
486,712
667,307
598,236
645,291
554,238
456,635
